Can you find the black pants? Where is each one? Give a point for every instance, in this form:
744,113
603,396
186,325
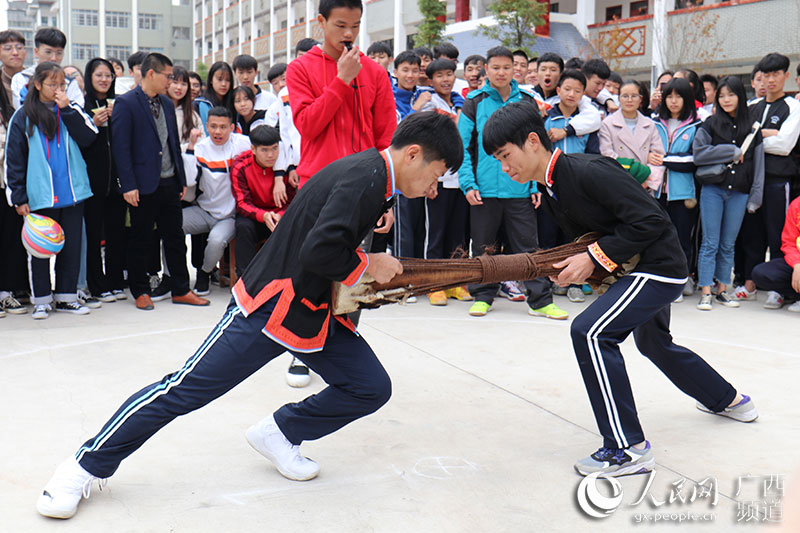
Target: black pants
761,231
249,233
685,221
236,348
162,207
775,275
68,260
517,217
409,227
105,219
445,219
638,305
14,264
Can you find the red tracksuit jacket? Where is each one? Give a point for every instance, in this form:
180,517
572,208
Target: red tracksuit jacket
252,188
790,238
334,119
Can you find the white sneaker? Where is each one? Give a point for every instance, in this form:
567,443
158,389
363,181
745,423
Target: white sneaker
65,489
705,302
298,375
106,297
267,439
744,411
119,294
411,300
795,307
741,293
41,311
774,300
679,299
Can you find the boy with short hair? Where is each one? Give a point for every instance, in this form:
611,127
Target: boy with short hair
597,73
245,68
549,67
208,167
406,70
520,66
135,61
448,51
590,193
49,44
710,83
570,90
472,67
257,188
282,302
779,116
425,57
304,45
12,58
381,54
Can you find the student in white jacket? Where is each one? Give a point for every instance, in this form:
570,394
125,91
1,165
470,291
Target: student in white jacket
208,167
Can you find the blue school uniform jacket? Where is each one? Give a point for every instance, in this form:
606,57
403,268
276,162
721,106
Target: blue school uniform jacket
678,160
571,144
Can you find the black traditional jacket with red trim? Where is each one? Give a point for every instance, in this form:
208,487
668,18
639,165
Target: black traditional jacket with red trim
590,193
315,243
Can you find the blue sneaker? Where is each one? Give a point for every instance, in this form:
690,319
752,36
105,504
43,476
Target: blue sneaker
613,462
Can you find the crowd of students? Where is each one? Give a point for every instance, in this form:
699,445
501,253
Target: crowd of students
81,148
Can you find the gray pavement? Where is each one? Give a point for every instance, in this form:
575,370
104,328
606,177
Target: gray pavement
486,419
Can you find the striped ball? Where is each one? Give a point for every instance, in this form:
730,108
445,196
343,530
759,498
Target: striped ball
42,236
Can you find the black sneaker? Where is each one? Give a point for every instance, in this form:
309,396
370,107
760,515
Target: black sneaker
72,307
201,285
162,291
297,375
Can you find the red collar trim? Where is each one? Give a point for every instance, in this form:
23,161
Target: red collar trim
550,166
389,181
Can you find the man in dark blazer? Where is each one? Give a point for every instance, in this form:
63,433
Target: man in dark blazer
147,153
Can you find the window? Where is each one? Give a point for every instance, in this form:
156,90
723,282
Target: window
84,17
613,13
148,50
84,52
53,21
149,21
639,8
118,19
554,7
120,52
181,32
44,20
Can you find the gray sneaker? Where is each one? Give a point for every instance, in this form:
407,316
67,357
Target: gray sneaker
688,289
726,300
613,462
705,302
559,291
744,411
575,294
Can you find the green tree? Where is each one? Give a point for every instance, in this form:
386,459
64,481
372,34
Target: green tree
202,69
516,20
430,31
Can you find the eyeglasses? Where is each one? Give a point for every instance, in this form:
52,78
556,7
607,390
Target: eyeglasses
629,96
170,77
103,76
13,47
54,86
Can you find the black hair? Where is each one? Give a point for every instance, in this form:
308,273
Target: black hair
154,61
264,136
756,70
181,74
195,76
550,57
91,99
573,63
513,123
407,57
684,90
498,51
11,36
596,67
227,99
304,45
615,78
115,62
572,74
798,69
743,120
136,58
276,71
245,62
326,6
380,48
247,91
773,62
423,51
440,64
437,134
39,114
665,73
481,72
219,111
447,50
710,78
643,92
694,81
520,52
474,58
51,37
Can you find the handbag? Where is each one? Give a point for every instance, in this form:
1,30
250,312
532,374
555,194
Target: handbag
715,174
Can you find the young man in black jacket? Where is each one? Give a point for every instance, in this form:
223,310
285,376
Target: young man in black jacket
282,302
589,193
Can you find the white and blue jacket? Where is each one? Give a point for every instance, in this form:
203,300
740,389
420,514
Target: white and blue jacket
679,161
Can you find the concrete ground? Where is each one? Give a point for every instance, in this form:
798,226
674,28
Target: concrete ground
487,418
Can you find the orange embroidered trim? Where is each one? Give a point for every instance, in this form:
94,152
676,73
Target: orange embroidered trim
356,274
602,258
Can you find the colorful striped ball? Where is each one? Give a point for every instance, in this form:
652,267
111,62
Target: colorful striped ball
42,236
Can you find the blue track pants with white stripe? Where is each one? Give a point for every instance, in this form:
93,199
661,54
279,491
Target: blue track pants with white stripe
639,305
236,348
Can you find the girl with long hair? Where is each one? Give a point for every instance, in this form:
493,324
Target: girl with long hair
219,91
724,198
248,117
179,92
46,174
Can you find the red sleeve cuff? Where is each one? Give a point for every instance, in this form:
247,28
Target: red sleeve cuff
355,275
601,258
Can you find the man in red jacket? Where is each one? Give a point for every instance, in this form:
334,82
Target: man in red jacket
262,195
782,275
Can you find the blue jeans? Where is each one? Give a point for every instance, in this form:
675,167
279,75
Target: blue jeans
721,214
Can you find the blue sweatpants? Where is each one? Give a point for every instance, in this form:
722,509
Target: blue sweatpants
357,386
640,305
